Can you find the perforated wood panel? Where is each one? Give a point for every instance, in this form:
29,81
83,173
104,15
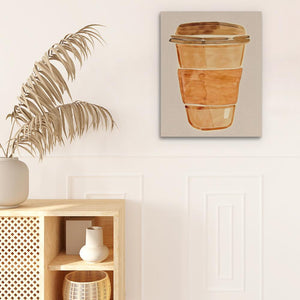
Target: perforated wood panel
19,258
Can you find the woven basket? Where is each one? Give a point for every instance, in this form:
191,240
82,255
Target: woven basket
87,285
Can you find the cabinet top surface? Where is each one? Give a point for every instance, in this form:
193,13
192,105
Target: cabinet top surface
66,207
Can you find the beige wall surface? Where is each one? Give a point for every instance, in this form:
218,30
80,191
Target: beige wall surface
178,191
247,119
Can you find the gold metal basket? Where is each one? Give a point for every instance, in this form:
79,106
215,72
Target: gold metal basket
87,285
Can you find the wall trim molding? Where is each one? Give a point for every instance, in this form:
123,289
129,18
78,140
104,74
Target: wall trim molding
260,178
106,174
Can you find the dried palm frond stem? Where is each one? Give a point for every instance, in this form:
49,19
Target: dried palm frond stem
43,117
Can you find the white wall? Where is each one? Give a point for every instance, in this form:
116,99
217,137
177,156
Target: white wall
171,228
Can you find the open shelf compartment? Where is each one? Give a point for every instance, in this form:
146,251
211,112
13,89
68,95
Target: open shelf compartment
56,259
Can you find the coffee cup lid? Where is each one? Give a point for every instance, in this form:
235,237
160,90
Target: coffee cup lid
210,33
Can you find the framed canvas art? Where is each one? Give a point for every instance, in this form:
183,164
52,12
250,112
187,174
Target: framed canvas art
211,74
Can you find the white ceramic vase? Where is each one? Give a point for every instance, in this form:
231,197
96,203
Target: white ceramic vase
94,251
14,182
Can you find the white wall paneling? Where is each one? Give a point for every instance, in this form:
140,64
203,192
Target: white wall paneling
165,187
128,186
225,237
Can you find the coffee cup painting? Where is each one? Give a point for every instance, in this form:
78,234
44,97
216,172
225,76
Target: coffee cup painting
209,58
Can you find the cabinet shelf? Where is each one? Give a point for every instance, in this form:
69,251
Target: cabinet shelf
64,262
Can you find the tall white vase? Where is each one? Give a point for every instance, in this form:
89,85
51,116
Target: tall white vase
94,250
14,182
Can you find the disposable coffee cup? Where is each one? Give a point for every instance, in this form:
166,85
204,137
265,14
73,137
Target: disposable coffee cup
210,56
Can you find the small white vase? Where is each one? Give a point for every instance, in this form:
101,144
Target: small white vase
94,251
14,182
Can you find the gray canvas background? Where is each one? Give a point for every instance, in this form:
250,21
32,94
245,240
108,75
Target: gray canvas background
247,120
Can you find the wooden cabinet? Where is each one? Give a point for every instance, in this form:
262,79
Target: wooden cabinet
32,247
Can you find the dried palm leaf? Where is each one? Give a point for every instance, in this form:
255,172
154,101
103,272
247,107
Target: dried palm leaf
66,121
44,118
